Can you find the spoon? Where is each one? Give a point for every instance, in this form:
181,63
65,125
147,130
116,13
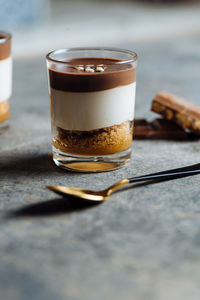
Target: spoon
98,196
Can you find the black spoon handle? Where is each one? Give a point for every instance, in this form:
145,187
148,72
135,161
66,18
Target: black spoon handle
169,174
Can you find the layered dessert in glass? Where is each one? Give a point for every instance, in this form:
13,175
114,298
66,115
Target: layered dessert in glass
5,77
92,97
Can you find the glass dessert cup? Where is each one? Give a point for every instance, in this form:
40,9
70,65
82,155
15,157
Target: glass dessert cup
5,78
92,97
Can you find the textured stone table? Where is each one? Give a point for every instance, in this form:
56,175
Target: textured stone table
142,244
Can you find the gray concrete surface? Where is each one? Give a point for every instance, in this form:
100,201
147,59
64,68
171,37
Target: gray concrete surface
144,243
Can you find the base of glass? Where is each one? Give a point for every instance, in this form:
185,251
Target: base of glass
91,164
3,126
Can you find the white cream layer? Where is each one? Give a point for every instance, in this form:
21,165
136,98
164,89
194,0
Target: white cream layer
5,78
92,110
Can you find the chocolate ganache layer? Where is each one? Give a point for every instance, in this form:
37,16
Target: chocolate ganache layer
5,45
91,74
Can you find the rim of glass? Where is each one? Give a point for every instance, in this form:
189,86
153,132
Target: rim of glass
131,60
4,36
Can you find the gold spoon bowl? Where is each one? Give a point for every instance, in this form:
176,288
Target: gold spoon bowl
88,194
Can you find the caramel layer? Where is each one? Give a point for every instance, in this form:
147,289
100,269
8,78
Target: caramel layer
5,45
4,111
67,77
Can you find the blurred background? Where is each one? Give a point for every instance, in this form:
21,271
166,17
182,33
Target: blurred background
39,26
